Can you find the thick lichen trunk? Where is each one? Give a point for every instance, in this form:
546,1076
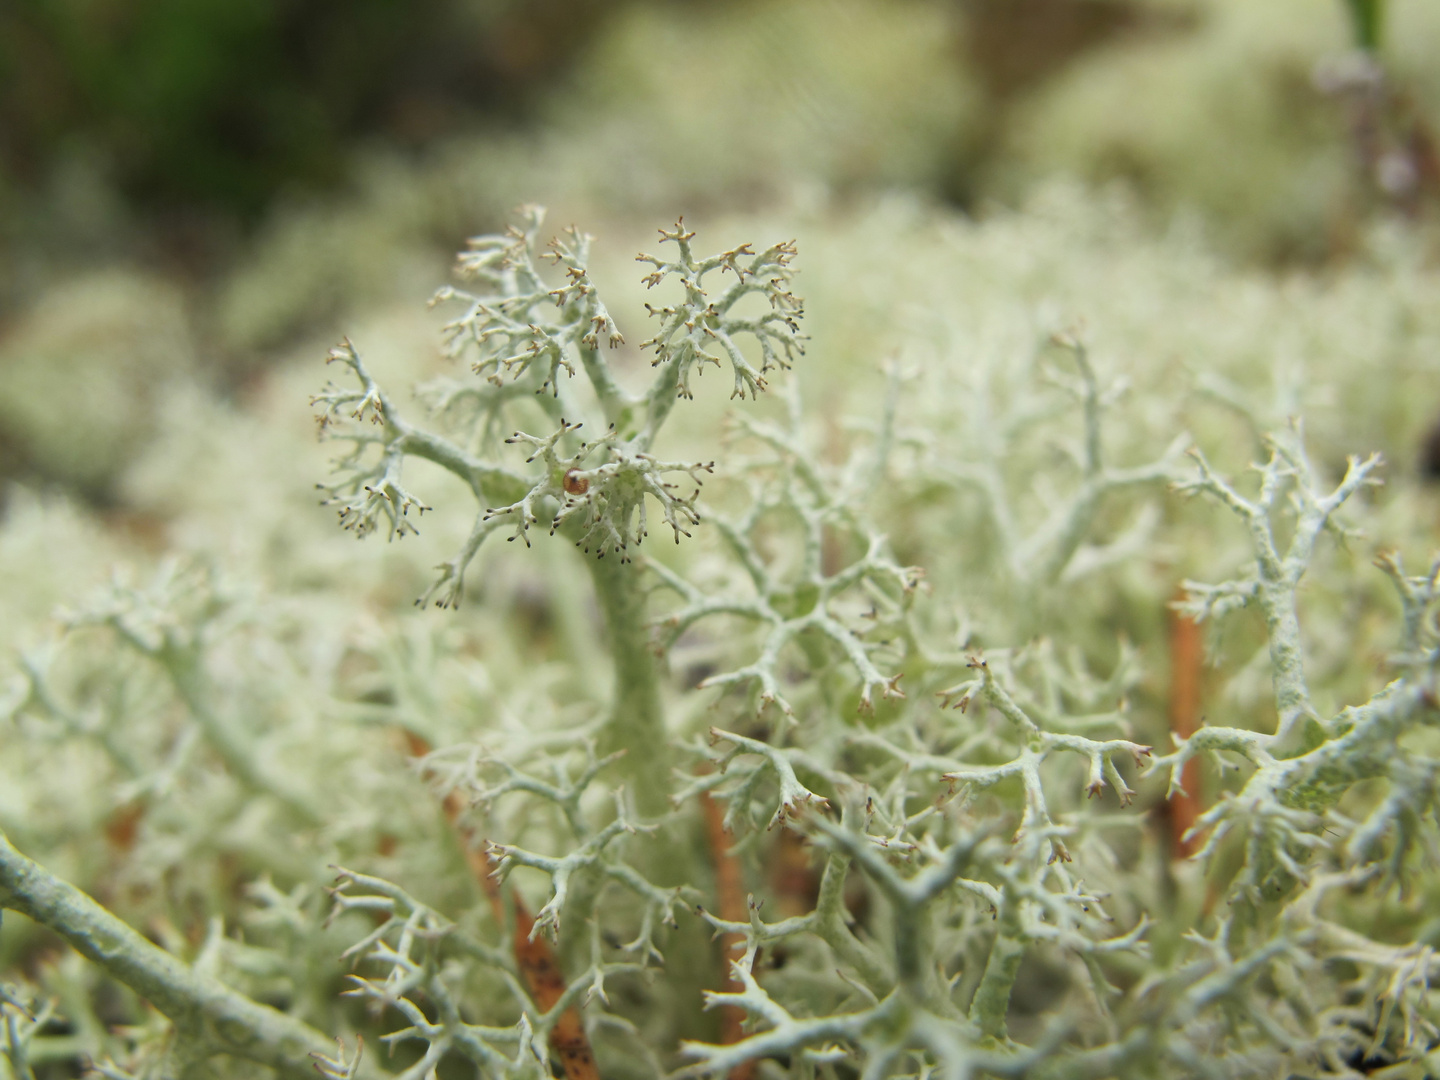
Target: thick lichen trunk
210,1018
991,1004
637,719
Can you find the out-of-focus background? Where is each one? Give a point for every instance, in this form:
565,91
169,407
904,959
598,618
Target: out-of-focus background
196,191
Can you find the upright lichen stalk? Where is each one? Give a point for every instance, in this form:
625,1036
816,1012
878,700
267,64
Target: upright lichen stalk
522,334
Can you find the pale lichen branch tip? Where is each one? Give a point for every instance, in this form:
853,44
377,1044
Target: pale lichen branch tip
678,234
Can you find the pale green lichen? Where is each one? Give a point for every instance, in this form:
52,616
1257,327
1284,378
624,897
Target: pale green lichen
944,745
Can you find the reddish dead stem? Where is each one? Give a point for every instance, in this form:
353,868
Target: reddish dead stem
123,825
730,898
546,983
539,969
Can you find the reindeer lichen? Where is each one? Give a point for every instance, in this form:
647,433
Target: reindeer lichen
885,675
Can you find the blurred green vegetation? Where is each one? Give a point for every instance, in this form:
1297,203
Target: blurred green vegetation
1368,19
214,110
222,105
268,167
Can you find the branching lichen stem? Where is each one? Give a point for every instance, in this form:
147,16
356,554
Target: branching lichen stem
210,1016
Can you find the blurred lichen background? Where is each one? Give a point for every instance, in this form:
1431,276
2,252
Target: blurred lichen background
197,192
1236,203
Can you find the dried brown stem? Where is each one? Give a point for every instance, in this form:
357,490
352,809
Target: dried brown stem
732,907
539,967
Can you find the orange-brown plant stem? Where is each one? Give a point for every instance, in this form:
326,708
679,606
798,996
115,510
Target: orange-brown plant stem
730,899
539,969
122,827
1187,654
546,983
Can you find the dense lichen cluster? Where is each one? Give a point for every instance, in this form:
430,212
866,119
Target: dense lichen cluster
890,724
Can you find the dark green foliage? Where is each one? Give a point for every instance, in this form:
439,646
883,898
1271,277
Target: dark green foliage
1368,19
222,104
